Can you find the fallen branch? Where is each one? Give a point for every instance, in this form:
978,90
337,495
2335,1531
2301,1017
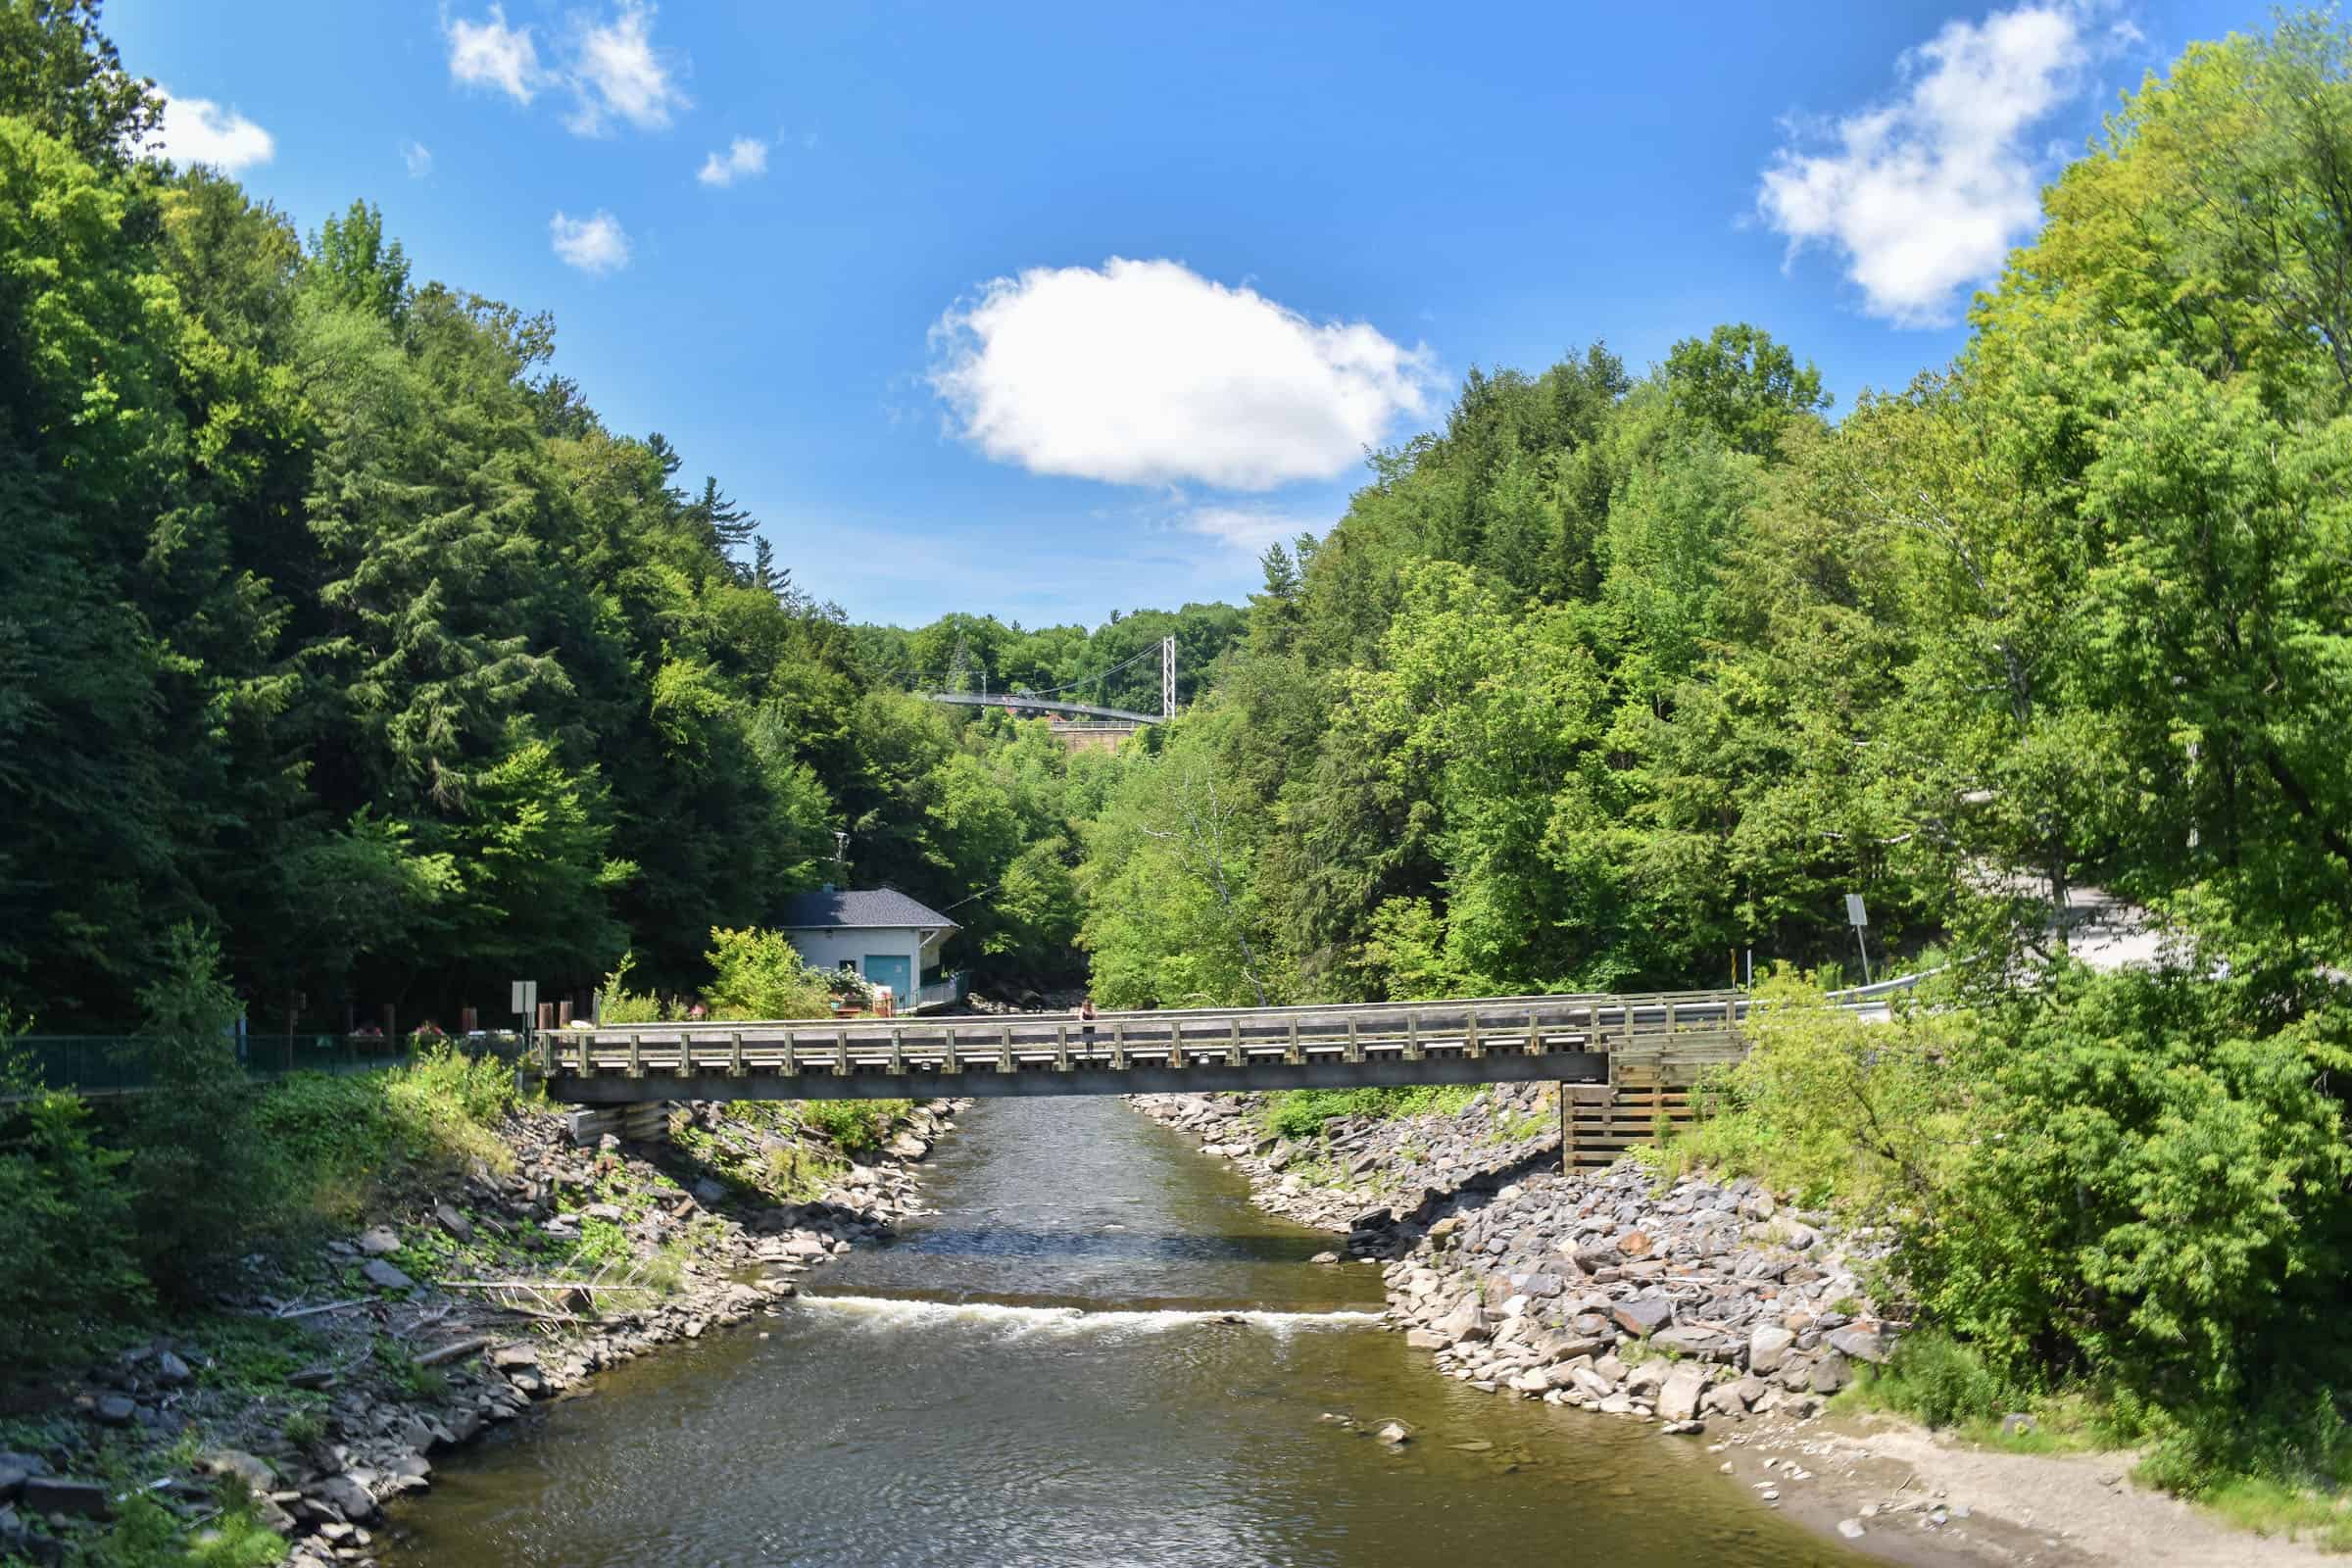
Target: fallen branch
331,1307
534,1285
454,1350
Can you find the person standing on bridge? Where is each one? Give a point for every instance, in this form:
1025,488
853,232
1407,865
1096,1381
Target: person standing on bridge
1086,1021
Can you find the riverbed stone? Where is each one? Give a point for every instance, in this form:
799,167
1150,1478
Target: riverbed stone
1767,1344
385,1276
80,1499
1678,1396
1643,1315
1466,1322
1862,1344
346,1495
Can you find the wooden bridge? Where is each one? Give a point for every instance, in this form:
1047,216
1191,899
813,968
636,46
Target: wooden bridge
1576,1039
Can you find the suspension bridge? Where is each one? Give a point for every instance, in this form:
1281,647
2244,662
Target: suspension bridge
1053,700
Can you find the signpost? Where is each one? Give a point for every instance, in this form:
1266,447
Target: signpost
1858,918
525,1000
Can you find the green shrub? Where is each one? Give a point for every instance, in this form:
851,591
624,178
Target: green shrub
758,974
196,1171
1870,1115
68,1264
1300,1113
2154,1194
856,1126
1940,1380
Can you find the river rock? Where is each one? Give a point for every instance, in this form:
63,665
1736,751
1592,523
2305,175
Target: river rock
385,1276
459,1227
1678,1396
1863,1345
114,1410
1466,1322
346,1496
81,1499
1642,1316
1830,1373
1766,1345
1395,1433
379,1240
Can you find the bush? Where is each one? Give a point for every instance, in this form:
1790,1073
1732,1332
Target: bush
1300,1113
1871,1115
2154,1194
1940,1380
68,1262
856,1126
196,1171
758,974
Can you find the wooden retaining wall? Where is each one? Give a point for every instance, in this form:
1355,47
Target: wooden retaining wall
1650,1086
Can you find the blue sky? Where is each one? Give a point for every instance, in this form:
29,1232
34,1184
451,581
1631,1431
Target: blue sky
1047,311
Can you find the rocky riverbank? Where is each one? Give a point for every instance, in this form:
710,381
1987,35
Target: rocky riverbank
323,1383
1710,1307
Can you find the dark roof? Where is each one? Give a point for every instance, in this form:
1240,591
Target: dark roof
809,911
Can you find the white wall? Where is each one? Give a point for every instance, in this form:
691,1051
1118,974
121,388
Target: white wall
833,946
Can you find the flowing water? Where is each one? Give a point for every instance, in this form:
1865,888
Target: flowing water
1096,1352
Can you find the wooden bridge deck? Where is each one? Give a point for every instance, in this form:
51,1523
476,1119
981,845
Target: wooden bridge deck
1488,1040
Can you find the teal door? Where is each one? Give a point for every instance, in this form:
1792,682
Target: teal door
891,969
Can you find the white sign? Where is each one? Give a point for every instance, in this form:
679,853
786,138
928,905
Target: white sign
1855,914
527,997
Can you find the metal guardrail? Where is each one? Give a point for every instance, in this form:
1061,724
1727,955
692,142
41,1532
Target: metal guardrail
100,1066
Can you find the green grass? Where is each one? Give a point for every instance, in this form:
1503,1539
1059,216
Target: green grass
1300,1113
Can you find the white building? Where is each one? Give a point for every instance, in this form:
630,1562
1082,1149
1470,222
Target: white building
885,936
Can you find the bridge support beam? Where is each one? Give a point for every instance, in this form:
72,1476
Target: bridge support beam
1202,1077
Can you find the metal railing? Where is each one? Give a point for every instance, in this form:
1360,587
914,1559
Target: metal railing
97,1066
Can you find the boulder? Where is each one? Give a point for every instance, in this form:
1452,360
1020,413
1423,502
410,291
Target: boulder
114,1410
1633,1244
459,1227
1424,1340
385,1276
1830,1373
83,1499
171,1371
345,1494
1395,1433
1678,1396
1862,1344
1767,1344
1642,1316
379,1240
1466,1322
1685,1339
259,1478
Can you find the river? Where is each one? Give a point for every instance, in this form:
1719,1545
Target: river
1097,1351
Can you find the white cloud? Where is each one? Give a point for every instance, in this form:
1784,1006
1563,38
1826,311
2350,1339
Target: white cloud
618,71
1250,530
491,54
746,158
1144,373
1926,194
197,130
593,244
418,156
